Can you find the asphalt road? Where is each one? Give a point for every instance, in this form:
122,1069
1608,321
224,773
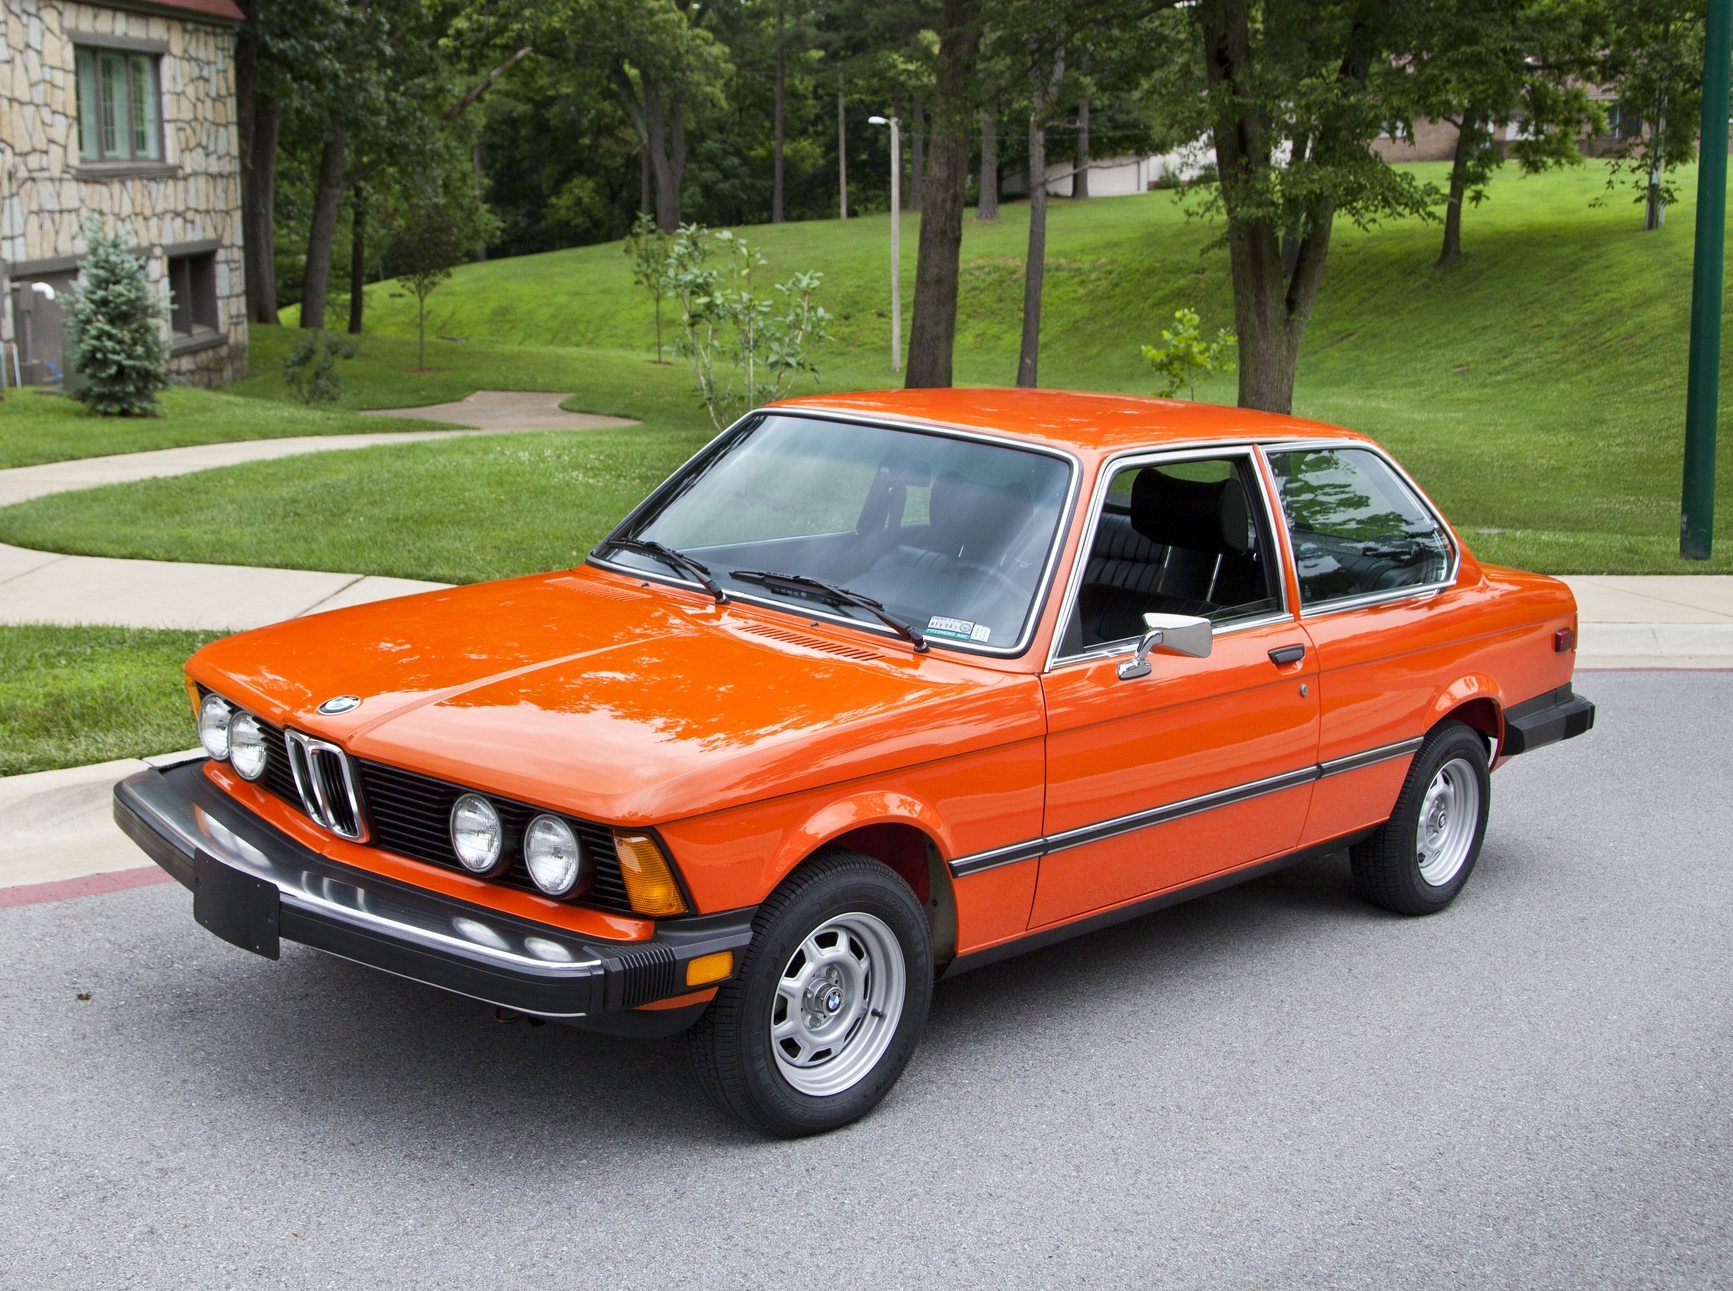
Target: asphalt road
1271,1087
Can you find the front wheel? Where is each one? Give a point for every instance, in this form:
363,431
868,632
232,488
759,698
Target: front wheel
1419,859
828,1002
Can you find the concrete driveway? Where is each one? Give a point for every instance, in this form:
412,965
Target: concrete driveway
1272,1087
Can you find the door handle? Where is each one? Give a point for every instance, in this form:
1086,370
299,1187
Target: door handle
1284,655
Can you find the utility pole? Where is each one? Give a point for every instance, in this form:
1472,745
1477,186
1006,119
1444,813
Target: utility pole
897,232
1703,378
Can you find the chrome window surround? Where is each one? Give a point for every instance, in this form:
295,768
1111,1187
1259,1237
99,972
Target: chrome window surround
1395,593
1149,457
305,753
1043,585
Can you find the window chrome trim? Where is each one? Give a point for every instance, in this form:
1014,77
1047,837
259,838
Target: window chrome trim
1100,831
1365,599
1110,467
1043,585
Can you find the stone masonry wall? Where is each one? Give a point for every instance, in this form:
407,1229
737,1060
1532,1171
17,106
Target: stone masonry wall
196,199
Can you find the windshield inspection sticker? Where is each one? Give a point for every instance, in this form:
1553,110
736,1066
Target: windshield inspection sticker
957,629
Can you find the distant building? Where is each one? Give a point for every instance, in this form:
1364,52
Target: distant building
124,109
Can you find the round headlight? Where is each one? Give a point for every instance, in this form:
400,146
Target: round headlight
247,746
214,716
556,860
476,835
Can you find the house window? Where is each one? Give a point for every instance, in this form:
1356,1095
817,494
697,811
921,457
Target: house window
193,282
118,114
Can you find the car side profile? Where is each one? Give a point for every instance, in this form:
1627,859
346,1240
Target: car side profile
876,689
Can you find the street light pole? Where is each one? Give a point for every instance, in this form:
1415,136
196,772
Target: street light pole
1703,377
897,238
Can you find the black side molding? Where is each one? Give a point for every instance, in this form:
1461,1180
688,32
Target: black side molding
1546,719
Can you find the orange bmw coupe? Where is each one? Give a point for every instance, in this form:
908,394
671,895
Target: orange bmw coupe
874,690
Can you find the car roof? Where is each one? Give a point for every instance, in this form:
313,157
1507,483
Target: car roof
1082,422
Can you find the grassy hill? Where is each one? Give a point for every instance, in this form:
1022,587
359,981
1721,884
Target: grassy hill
1537,387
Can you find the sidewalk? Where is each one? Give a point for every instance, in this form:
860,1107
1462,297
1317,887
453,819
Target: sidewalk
1654,620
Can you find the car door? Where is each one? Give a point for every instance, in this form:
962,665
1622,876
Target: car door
1374,567
1202,765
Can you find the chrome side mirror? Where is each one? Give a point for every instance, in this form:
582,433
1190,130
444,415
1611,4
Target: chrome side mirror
1171,634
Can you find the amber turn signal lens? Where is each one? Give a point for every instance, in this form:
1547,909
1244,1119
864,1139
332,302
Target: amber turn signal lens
194,696
709,968
650,883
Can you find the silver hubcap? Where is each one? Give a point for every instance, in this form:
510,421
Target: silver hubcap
837,1004
1447,820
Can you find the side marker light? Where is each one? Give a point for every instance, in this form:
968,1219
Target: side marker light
709,968
1564,640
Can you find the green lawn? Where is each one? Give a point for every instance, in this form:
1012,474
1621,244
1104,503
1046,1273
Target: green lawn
37,427
73,696
1537,388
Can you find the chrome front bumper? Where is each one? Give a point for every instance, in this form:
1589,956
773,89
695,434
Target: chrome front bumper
252,885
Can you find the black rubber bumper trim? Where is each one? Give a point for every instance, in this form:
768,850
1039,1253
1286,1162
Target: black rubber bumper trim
472,950
1546,719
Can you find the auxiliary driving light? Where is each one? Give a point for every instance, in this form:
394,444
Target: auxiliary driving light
650,884
214,714
247,746
476,835
557,861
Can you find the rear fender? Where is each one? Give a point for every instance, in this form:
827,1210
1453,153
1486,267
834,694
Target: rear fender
1476,701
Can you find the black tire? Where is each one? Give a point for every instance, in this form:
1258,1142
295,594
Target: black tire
1388,867
731,1044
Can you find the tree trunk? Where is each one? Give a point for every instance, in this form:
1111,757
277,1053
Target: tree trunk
1465,143
917,156
646,203
259,122
662,120
781,69
1035,264
327,198
357,258
987,208
1080,175
676,156
841,156
1272,303
480,185
933,327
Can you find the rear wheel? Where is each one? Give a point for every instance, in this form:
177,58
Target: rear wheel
1420,858
828,1002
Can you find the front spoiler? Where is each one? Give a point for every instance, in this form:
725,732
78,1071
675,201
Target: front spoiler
186,825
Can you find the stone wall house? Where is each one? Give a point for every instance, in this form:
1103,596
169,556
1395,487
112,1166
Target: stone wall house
126,111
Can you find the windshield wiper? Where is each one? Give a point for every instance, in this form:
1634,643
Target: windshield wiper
678,560
804,586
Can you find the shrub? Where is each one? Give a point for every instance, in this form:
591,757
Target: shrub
311,367
1187,356
113,331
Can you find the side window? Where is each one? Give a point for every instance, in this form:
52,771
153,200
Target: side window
1175,538
118,98
1357,527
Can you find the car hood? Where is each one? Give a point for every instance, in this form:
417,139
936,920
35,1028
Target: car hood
615,702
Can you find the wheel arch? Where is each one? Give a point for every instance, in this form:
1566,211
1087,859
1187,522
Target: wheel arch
902,833
1477,702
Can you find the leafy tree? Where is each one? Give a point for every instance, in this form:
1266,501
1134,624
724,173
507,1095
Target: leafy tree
434,230
1654,59
1294,92
1186,355
114,331
1480,63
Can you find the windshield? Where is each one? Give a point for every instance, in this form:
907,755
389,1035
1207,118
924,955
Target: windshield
949,535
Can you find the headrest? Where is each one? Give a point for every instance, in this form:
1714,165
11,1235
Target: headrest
980,518
1193,514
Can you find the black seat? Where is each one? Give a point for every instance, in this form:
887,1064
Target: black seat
1183,547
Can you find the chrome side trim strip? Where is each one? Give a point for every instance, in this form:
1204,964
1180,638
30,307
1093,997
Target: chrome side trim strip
977,862
1371,757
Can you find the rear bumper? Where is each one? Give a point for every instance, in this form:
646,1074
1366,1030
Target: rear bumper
1546,719
207,841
